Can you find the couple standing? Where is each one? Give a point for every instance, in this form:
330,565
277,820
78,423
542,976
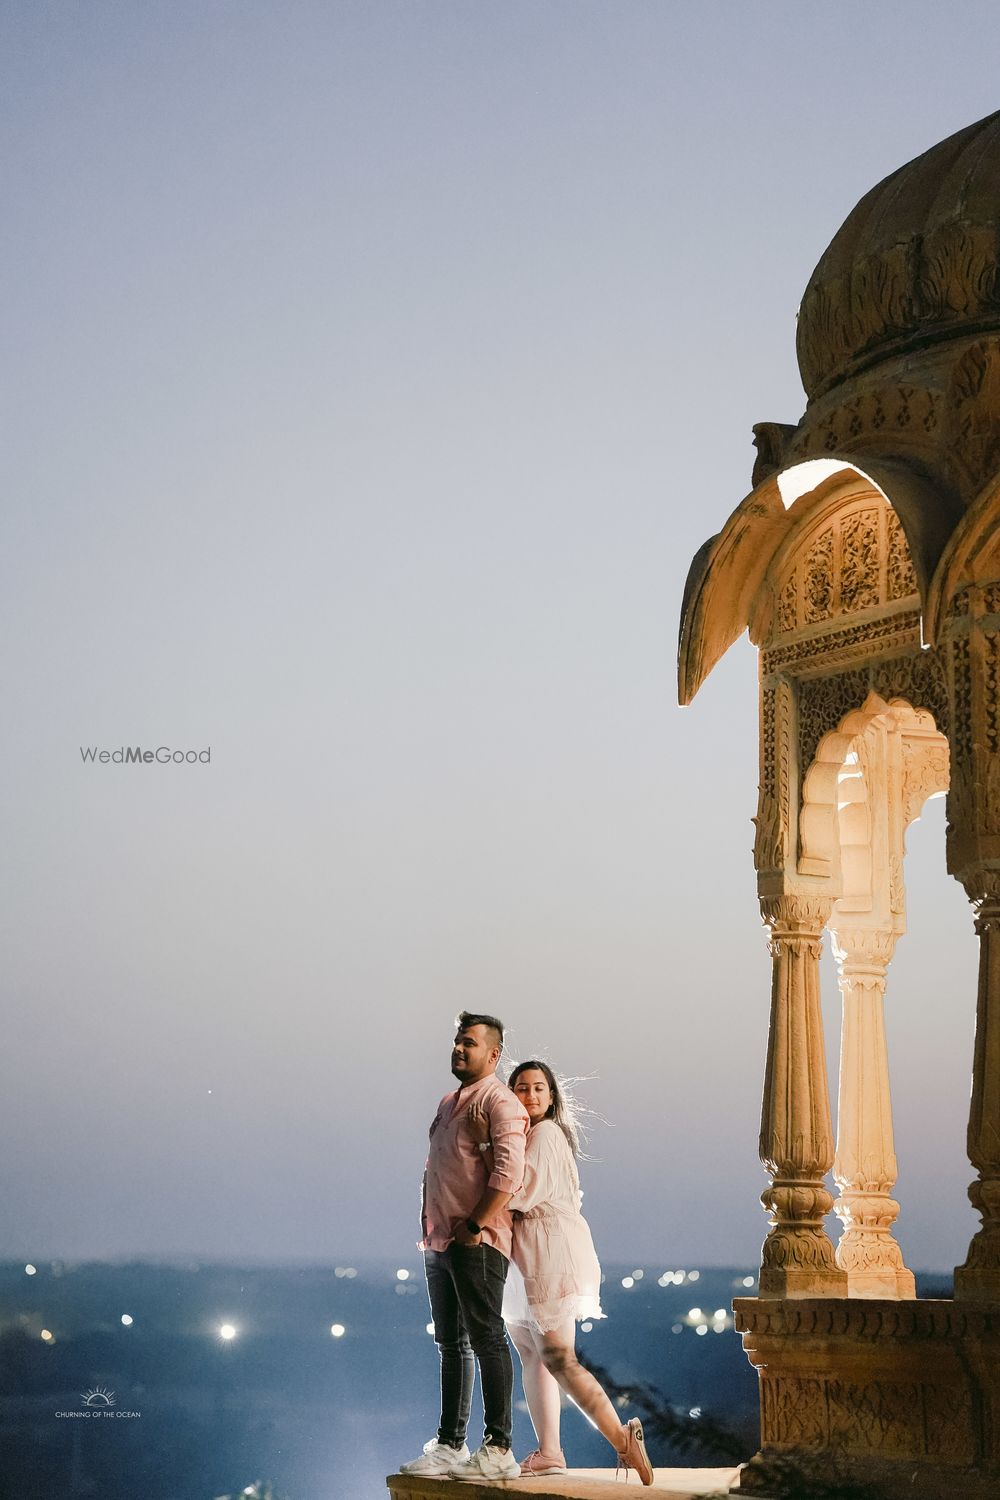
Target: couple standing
496,1152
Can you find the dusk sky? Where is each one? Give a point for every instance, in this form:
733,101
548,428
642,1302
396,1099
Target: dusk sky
373,372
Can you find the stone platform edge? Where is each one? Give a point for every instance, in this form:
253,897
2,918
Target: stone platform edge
575,1484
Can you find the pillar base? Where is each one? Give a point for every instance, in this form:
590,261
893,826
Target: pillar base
897,1286
901,1399
977,1284
793,1281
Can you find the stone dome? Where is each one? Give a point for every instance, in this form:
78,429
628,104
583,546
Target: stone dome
916,263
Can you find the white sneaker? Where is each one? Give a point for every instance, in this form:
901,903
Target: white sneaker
488,1463
437,1458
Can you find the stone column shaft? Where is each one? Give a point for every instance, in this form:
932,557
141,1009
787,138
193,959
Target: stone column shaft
865,1163
796,1138
979,1278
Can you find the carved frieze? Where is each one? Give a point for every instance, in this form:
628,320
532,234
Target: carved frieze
773,815
793,1412
910,415
860,583
893,1419
824,701
901,580
855,560
876,1417
973,404
840,648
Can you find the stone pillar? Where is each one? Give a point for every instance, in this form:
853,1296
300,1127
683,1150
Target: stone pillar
864,1166
978,1279
796,1138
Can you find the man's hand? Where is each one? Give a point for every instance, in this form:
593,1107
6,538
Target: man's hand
463,1237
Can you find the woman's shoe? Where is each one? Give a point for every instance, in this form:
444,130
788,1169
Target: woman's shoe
634,1455
543,1463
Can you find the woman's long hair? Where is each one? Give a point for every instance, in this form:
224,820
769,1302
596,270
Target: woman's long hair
563,1109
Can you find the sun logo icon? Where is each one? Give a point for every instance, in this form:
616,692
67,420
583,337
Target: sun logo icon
98,1397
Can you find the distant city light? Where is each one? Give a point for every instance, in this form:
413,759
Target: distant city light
693,1275
702,1328
348,1271
586,1327
47,1336
227,1331
695,1412
677,1328
127,1320
749,1280
695,1314
718,1327
628,1281
430,1329
29,1269
338,1330
639,1274
720,1312
402,1275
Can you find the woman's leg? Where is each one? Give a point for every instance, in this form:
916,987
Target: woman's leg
558,1354
540,1389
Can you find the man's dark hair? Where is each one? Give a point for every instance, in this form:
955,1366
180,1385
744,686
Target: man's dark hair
492,1023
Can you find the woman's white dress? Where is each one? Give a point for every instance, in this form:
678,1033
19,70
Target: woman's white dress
554,1273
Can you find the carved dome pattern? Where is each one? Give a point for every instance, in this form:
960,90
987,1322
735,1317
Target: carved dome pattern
916,262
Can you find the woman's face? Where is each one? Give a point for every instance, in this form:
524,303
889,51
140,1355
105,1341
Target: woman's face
532,1088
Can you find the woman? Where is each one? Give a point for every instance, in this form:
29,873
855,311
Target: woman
555,1278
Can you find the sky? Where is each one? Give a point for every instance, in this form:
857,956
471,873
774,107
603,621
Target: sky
374,372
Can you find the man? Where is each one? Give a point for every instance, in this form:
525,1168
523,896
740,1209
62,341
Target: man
466,1245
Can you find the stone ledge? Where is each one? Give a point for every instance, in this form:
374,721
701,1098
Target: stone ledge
575,1484
865,1318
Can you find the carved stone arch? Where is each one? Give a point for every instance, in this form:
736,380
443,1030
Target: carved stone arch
835,829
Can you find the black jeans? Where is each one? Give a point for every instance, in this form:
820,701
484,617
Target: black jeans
465,1289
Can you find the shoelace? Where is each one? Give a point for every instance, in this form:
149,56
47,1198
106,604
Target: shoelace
623,1463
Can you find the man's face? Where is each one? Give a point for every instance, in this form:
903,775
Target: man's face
474,1053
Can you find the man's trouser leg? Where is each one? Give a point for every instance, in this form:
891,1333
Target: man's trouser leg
458,1370
479,1273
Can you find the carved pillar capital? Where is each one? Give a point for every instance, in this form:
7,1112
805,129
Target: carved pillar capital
982,886
863,955
796,923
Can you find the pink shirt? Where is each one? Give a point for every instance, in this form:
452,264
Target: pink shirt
455,1177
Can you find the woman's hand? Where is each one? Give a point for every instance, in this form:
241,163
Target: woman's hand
479,1124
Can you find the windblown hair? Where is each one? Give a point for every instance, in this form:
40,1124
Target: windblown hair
471,1018
563,1110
